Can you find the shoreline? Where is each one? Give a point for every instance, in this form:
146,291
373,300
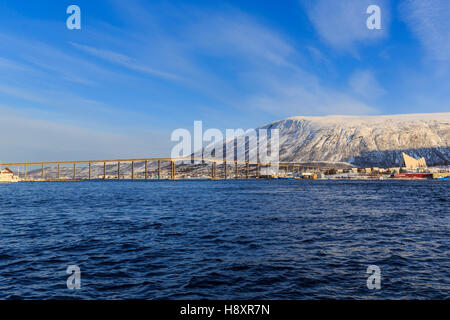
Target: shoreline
239,179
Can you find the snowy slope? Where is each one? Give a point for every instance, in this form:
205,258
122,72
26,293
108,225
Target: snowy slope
365,141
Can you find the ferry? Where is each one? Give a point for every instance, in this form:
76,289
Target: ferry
413,176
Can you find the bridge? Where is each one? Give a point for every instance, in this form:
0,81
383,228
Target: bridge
251,169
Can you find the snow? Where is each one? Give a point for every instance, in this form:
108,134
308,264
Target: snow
365,140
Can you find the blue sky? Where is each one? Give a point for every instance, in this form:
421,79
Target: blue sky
137,70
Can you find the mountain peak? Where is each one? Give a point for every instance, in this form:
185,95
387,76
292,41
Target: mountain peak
375,140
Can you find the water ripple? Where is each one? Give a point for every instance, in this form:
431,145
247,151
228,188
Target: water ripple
225,239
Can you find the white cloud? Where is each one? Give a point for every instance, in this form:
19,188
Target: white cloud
237,34
53,99
124,61
364,84
47,61
23,94
296,101
304,95
430,22
10,64
231,57
269,74
342,24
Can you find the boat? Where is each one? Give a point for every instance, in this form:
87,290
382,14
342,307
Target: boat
442,176
413,176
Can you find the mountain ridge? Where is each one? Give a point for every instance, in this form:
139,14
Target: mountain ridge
375,140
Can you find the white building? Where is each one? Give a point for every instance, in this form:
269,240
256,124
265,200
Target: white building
6,175
411,163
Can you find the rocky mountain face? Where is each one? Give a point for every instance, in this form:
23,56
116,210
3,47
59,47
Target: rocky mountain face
366,141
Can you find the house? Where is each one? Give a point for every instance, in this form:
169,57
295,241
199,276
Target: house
6,175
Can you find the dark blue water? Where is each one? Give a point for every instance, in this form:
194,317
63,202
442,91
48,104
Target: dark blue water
274,239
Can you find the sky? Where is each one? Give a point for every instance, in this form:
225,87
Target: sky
137,70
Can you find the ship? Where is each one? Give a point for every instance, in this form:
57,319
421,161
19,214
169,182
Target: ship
413,176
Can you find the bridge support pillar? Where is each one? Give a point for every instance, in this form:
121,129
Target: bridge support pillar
132,170
118,170
74,171
172,175
159,169
226,170
42,173
90,171
104,170
247,172
146,169
59,172
213,171
236,170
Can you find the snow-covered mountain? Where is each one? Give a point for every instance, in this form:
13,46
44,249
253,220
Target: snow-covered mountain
365,140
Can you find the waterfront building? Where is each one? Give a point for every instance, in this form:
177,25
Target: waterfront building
6,175
411,163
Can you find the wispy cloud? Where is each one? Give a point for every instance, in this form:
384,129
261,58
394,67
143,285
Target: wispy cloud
23,94
290,100
48,61
227,55
342,24
430,22
237,34
302,93
12,65
279,85
268,68
48,99
124,61
364,84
